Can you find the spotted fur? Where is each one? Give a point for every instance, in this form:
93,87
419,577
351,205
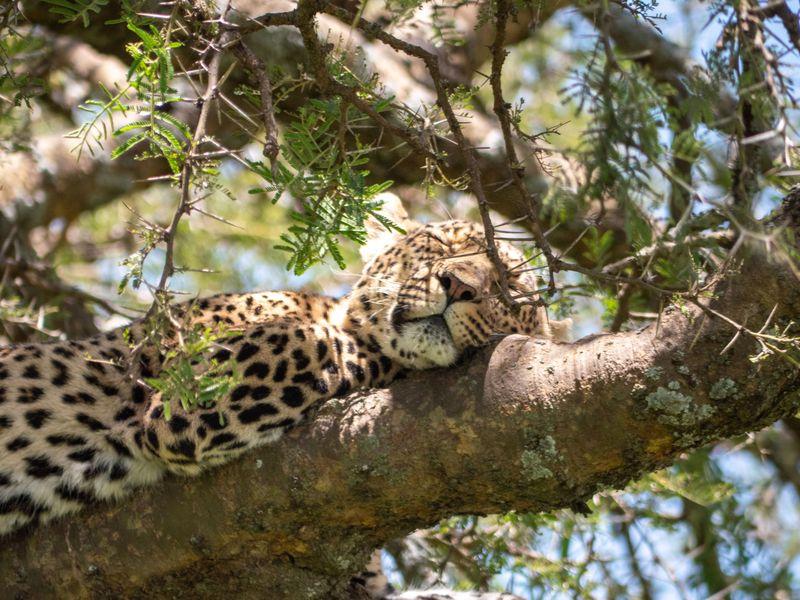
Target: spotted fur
75,429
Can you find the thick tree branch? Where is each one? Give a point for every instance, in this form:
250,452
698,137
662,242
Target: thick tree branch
36,285
528,424
51,183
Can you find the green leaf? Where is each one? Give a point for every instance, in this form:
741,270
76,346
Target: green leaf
165,71
167,135
175,122
143,124
150,42
128,144
73,10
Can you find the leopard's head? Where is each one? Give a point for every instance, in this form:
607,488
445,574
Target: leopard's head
428,295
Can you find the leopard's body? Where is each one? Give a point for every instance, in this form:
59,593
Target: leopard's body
76,428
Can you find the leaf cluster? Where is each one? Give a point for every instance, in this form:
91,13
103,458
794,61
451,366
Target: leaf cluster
324,167
76,10
191,375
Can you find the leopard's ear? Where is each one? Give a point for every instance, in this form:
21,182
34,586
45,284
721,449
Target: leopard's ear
379,237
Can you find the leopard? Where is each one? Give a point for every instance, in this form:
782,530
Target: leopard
77,427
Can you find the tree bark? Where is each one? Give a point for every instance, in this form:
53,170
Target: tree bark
527,425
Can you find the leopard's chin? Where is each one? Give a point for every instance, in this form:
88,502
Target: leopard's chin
425,343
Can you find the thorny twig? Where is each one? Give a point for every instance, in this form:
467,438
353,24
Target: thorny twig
769,343
517,169
188,168
160,302
304,21
289,17
713,238
258,69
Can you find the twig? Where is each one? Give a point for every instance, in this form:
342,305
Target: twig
289,17
619,279
530,201
712,239
160,304
183,207
305,22
258,69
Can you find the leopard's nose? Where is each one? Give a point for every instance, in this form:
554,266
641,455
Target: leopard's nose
457,289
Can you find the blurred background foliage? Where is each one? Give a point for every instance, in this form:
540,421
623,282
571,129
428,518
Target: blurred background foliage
654,165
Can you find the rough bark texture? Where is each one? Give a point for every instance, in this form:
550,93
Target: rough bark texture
527,424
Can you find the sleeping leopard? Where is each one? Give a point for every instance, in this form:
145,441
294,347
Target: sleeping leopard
77,428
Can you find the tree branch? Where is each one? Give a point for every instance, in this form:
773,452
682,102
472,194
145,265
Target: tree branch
527,425
671,64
